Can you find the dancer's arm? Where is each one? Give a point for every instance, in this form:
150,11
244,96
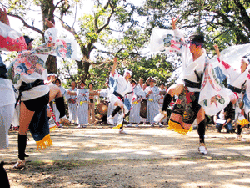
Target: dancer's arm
178,41
114,66
217,50
4,17
226,68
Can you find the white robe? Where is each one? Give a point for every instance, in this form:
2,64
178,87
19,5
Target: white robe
82,108
72,107
152,103
134,116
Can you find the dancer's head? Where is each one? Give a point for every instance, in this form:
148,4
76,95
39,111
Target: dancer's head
162,85
28,42
58,82
82,84
140,81
196,43
90,85
73,83
244,63
152,82
127,74
133,82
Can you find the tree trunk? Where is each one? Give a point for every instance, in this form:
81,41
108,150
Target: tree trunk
51,65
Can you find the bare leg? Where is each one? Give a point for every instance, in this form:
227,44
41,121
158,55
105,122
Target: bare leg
54,92
25,119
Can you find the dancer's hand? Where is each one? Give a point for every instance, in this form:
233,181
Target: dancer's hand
114,66
49,23
174,20
3,16
217,50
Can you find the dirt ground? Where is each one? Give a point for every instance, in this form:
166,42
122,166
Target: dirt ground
145,157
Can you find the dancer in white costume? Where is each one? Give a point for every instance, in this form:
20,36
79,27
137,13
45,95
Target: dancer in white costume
138,94
152,95
196,84
82,106
72,104
238,84
121,97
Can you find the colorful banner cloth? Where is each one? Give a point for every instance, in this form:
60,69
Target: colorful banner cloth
11,40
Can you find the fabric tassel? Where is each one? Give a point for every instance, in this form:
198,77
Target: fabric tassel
178,128
44,143
119,126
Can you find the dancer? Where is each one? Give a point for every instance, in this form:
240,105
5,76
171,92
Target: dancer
82,108
63,91
187,109
91,111
138,94
238,85
152,95
121,96
7,96
28,75
72,104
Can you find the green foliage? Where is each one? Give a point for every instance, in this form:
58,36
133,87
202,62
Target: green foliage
157,67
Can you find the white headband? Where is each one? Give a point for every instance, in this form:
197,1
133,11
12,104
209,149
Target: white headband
247,60
126,71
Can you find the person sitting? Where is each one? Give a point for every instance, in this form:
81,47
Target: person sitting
224,119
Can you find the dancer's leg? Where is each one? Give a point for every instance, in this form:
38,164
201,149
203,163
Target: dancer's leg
24,121
201,120
175,89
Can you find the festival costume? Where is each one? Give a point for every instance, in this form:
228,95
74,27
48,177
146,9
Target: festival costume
82,106
7,101
121,90
238,85
10,40
152,103
138,94
28,74
202,88
72,105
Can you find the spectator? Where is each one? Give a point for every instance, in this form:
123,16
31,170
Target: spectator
224,119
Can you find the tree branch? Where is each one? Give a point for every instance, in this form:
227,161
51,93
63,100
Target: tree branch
25,23
107,23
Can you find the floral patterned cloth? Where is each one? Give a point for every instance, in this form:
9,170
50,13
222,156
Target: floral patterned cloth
31,65
10,40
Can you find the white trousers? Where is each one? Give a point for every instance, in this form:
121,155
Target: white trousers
6,115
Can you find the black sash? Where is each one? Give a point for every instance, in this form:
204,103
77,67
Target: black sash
234,89
191,84
118,95
25,87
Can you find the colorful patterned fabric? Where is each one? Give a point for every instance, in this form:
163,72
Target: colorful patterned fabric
10,40
214,97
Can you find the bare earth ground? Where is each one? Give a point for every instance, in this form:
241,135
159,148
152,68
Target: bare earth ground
145,157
